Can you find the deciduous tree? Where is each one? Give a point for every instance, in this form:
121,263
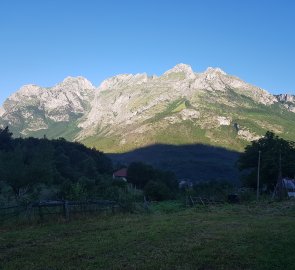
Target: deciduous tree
274,151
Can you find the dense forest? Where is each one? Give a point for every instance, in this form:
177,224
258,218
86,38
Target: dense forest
41,169
33,168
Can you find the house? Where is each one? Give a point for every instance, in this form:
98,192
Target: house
120,174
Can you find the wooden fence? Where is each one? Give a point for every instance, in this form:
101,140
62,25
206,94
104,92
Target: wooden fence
202,201
66,209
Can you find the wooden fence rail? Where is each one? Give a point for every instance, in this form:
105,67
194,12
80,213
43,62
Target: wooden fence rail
203,201
59,207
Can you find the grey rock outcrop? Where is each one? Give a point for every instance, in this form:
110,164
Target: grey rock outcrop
34,108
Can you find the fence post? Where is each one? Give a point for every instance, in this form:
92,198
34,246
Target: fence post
40,212
66,210
145,204
29,212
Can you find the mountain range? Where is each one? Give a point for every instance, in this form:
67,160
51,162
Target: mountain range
130,111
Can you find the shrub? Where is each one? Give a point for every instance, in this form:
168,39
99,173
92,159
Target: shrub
157,191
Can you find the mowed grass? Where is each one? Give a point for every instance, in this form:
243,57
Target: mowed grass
255,236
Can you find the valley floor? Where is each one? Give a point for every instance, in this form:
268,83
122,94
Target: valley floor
254,236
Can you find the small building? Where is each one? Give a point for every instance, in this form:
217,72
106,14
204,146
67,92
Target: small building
121,174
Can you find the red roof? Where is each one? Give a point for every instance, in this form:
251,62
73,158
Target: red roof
121,173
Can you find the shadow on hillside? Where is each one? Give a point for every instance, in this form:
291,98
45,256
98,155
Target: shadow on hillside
197,162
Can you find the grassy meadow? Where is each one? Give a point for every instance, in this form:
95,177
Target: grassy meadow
250,236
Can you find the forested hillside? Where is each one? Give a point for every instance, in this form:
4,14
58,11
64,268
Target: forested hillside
33,168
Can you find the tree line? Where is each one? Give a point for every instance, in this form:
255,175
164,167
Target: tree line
157,185
33,169
59,168
277,158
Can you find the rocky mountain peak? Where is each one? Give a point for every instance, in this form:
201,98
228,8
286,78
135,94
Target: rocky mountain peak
26,91
32,107
76,83
182,68
217,70
285,98
123,79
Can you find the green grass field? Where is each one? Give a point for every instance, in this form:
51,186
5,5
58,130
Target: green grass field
253,236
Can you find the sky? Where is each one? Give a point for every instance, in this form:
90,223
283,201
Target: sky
42,42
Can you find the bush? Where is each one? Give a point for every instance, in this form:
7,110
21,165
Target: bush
213,189
167,207
157,191
157,185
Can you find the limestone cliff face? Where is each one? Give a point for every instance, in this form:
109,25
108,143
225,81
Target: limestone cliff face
128,111
33,108
287,100
128,104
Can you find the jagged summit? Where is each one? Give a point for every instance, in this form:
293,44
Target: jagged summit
215,70
68,84
25,92
286,98
187,69
34,108
28,89
181,68
79,81
123,79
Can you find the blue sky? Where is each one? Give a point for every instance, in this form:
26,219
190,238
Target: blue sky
42,42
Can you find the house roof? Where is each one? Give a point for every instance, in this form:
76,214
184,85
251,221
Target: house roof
121,173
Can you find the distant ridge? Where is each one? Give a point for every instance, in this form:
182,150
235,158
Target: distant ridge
195,162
